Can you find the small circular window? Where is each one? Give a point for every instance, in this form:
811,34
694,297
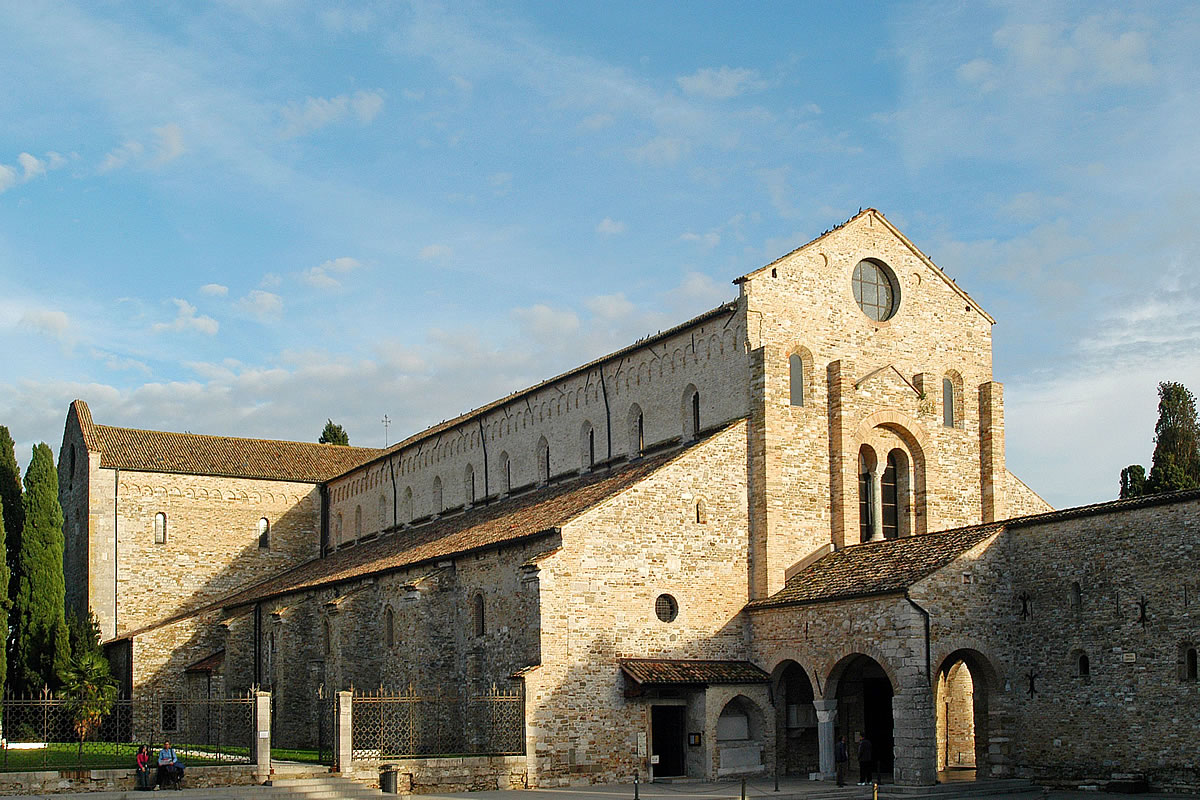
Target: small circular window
666,608
875,290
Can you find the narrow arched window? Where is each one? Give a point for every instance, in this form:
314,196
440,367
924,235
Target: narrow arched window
948,402
437,494
866,499
640,433
406,505
469,484
796,379
326,639
591,447
337,528
701,511
264,534
383,513
695,414
160,528
505,473
889,504
389,627
1189,665
543,461
358,522
1083,666
480,622
1076,597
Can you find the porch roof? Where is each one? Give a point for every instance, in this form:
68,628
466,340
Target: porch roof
209,663
687,672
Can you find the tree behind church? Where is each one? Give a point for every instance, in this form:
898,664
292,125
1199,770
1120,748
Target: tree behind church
334,434
40,647
1176,462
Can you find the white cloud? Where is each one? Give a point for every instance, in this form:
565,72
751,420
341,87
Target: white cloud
263,306
722,83
170,143
122,156
661,151
610,227
214,290
610,306
541,322
435,251
186,319
321,276
8,177
271,280
28,167
53,323
32,166
317,112
708,240
700,291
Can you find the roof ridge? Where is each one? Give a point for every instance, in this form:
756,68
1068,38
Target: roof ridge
156,432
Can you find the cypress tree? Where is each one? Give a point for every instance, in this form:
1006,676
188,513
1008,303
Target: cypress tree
10,498
1176,441
1133,481
40,641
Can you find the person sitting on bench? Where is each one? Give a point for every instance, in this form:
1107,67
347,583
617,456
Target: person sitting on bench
170,771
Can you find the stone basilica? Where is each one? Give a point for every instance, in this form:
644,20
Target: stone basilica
706,554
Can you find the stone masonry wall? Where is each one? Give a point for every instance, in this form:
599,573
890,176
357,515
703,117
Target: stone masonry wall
804,305
598,606
659,378
1022,500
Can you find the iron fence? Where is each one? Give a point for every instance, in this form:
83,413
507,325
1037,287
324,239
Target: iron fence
40,732
411,724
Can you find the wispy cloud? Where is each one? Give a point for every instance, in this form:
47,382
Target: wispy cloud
322,275
721,83
262,306
214,290
28,167
315,113
186,319
610,227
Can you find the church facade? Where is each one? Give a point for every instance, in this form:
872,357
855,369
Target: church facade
706,554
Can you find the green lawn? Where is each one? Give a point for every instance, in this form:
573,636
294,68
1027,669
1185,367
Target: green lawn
97,755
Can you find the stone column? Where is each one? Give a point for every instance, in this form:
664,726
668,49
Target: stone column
262,736
914,732
826,717
342,738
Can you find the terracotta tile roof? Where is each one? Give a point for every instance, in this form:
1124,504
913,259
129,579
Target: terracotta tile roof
208,663
225,456
512,519
675,672
876,568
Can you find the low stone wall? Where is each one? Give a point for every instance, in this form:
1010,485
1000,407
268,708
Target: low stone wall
68,781
440,775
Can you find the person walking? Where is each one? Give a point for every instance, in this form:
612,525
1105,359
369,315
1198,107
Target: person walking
865,761
840,757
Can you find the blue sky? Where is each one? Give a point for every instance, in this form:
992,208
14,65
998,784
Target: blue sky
245,217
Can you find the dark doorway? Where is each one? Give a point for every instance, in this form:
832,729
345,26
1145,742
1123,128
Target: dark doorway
864,696
667,740
798,751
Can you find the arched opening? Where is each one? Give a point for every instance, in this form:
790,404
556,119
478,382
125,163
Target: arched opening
469,484
961,705
389,627
406,506
740,738
437,494
478,615
637,431
358,522
690,412
796,379
383,513
264,534
587,445
797,749
505,473
864,705
543,460
160,528
866,493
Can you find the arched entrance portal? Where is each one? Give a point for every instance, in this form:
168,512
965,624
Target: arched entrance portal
961,704
864,703
797,748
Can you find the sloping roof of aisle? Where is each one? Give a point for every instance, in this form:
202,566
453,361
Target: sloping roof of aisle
223,456
891,566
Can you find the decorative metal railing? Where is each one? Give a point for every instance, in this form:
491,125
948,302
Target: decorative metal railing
409,724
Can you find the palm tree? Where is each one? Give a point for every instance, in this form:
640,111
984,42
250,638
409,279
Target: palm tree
91,691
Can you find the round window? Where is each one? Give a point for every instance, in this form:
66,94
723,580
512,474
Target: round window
666,608
875,290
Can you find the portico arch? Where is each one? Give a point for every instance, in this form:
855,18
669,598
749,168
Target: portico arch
797,749
965,683
863,689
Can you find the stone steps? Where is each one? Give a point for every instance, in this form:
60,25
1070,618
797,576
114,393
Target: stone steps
956,789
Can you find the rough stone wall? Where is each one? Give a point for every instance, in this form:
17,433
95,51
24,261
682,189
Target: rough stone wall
1022,500
434,647
659,378
804,304
212,546
160,657
598,605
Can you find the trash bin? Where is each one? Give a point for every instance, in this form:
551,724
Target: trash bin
387,780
